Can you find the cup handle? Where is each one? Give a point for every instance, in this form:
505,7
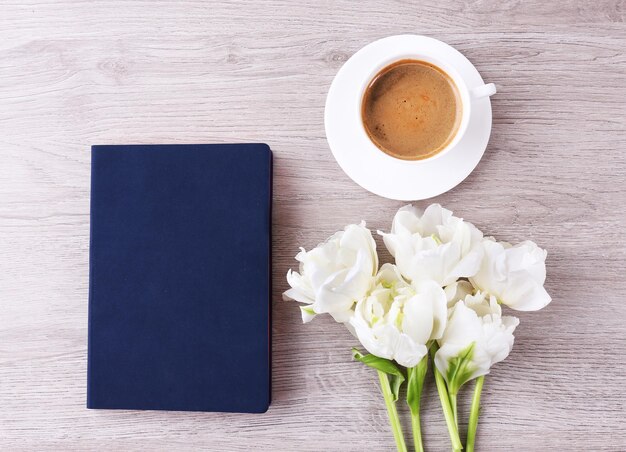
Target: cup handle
483,91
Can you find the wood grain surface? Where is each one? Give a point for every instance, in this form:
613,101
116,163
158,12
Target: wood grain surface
76,73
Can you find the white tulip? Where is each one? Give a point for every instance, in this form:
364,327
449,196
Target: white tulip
476,337
397,320
335,275
513,274
434,245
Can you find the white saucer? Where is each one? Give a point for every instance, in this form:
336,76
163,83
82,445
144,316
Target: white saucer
378,172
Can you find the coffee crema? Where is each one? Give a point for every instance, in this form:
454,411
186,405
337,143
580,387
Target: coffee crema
411,110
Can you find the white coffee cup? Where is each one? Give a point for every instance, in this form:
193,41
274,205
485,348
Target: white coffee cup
379,172
466,95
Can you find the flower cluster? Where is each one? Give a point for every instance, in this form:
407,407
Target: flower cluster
443,294
447,284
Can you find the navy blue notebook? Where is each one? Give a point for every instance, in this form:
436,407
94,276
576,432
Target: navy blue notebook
179,277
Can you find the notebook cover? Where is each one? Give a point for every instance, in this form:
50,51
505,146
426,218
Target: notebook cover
179,277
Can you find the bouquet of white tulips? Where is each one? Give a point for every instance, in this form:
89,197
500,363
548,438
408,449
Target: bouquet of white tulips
441,300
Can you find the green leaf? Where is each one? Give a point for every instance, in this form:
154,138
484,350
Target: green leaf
384,365
460,369
415,384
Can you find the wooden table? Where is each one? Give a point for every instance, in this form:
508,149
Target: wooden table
78,73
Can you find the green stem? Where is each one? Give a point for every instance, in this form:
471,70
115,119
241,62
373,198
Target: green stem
445,403
392,411
417,431
415,386
475,411
454,410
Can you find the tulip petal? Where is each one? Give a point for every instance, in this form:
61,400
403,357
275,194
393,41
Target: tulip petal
434,245
408,352
418,318
308,313
457,291
336,274
514,274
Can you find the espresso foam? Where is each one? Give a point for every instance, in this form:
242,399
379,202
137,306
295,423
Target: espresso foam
411,110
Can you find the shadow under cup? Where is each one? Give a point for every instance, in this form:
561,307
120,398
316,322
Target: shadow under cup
413,109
